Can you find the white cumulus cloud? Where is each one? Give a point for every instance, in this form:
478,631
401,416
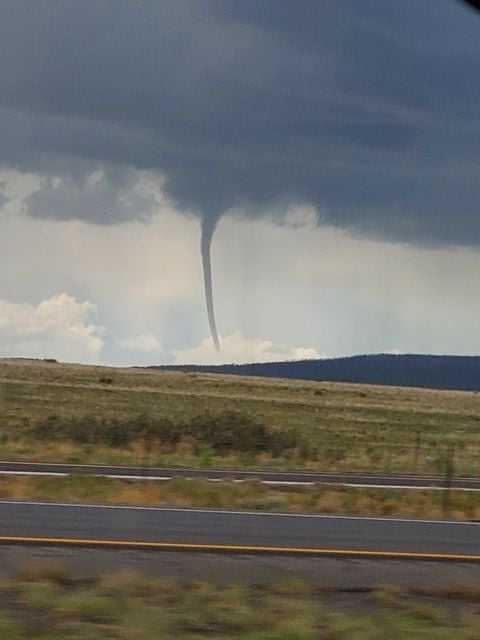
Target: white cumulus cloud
58,327
145,343
237,348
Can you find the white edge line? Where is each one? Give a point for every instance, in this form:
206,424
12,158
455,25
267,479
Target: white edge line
279,483
122,477
400,486
233,513
247,472
34,473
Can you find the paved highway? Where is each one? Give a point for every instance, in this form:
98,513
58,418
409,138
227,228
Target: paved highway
405,481
233,531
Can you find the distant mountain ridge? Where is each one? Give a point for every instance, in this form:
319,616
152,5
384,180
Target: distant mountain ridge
409,370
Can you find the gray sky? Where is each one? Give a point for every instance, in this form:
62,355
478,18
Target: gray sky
334,143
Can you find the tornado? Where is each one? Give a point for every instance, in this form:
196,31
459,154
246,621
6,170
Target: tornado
208,228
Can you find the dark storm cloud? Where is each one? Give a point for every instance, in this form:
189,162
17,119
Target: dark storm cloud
367,110
105,196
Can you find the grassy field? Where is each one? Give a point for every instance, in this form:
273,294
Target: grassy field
343,426
44,603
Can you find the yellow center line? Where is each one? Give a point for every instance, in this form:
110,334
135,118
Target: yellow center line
235,548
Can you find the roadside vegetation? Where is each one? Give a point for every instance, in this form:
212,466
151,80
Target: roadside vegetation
72,413
459,505
46,603
225,433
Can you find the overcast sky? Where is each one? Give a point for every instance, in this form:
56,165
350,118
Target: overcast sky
333,145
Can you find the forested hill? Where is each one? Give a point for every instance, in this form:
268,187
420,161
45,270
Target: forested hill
436,372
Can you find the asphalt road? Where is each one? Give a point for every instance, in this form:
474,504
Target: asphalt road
232,531
407,481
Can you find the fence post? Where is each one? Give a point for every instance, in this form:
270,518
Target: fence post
449,473
389,459
416,451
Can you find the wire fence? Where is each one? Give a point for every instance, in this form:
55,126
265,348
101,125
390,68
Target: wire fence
419,455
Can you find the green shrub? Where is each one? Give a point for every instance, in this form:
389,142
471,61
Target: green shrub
8,629
90,606
215,433
40,595
230,431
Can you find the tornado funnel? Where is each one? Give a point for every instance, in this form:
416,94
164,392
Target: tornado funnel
208,229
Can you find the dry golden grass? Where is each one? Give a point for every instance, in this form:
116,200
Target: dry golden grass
350,426
247,495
